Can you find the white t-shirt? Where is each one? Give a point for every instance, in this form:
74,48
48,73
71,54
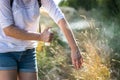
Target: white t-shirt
25,15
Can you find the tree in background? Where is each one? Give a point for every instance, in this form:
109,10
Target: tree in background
87,4
110,7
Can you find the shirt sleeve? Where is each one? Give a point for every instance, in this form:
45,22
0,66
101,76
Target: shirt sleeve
6,16
52,9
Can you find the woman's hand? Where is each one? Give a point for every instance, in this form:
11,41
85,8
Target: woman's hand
46,35
77,59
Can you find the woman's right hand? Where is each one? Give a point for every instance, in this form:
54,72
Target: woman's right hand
46,35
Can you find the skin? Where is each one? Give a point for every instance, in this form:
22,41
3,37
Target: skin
45,36
17,33
27,76
76,57
8,75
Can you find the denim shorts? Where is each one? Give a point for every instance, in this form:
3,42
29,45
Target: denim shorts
22,61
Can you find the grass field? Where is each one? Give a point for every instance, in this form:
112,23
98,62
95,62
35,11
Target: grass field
54,61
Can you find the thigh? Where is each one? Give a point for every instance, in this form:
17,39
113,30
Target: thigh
28,62
27,76
8,67
7,62
8,75
28,65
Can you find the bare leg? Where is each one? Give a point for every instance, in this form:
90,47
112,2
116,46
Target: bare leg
8,75
27,76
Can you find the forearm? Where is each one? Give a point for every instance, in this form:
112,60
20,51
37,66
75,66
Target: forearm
17,33
68,34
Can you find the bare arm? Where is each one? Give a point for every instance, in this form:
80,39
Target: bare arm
75,51
68,33
17,33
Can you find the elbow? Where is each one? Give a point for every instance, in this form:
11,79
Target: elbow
62,22
8,30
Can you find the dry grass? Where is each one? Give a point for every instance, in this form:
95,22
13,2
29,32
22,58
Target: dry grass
54,61
95,66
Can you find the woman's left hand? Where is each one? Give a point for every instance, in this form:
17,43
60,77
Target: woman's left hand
77,59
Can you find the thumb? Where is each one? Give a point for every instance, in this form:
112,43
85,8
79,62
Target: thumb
47,29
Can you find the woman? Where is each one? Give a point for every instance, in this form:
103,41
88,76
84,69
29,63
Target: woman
18,35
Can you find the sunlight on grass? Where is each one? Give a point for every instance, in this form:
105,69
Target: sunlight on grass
93,68
54,61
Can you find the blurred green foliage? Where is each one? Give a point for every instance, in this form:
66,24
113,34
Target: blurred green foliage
87,4
111,7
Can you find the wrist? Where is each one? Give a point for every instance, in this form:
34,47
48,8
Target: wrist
74,48
39,37
75,51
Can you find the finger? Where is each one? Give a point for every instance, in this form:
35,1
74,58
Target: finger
51,36
74,63
47,29
50,39
77,65
81,62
